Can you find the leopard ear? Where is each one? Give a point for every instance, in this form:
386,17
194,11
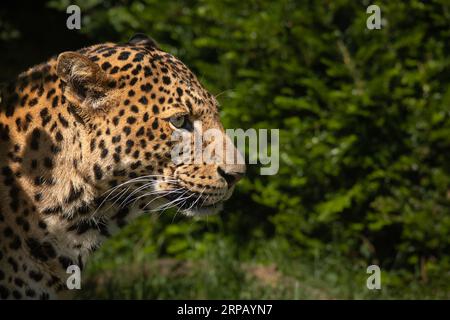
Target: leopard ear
86,84
144,40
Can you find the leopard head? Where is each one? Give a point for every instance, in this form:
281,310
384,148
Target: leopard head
137,104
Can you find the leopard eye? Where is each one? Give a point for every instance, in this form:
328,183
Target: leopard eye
178,121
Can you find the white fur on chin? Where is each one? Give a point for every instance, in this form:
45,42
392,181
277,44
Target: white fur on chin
206,211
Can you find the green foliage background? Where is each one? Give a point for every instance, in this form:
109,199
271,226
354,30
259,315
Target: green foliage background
364,119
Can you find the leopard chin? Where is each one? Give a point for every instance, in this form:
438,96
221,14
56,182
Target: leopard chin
204,211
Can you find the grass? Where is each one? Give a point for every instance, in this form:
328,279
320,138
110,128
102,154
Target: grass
130,267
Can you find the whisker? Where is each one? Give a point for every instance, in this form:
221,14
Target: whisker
206,198
169,205
176,202
199,196
165,194
149,178
139,189
224,91
139,179
149,194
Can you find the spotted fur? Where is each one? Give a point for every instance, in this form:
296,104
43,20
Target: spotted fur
75,127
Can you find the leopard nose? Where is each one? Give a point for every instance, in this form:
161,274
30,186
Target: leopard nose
231,173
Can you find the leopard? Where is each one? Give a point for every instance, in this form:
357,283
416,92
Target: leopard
86,142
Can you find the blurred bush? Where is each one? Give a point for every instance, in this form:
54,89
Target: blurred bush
364,117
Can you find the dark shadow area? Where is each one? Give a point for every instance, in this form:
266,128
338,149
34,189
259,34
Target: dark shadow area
30,33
